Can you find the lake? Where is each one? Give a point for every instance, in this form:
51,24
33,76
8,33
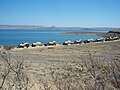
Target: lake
15,37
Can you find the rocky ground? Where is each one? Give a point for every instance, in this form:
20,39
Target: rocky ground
63,67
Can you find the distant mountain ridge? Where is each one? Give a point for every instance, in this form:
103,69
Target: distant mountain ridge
37,27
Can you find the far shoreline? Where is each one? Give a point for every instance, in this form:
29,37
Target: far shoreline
85,33
102,34
38,27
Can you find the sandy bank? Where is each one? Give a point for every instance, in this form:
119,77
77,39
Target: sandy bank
103,34
86,33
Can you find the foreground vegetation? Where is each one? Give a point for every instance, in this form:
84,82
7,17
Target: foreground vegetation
91,74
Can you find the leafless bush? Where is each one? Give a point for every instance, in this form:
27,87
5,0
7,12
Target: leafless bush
13,75
67,79
105,74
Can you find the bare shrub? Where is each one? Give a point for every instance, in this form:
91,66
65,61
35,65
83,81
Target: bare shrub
13,75
105,75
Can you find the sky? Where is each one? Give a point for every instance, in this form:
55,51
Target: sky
61,13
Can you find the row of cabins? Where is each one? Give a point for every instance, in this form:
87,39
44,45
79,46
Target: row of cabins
26,45
68,42
91,40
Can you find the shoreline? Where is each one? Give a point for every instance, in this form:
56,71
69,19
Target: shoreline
85,33
102,34
14,48
62,46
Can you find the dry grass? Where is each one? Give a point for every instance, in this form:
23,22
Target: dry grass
68,68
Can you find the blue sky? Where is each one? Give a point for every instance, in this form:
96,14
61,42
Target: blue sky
78,13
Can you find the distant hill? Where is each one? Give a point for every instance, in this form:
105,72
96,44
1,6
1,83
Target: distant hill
35,27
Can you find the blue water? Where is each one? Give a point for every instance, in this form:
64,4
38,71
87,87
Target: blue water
15,37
